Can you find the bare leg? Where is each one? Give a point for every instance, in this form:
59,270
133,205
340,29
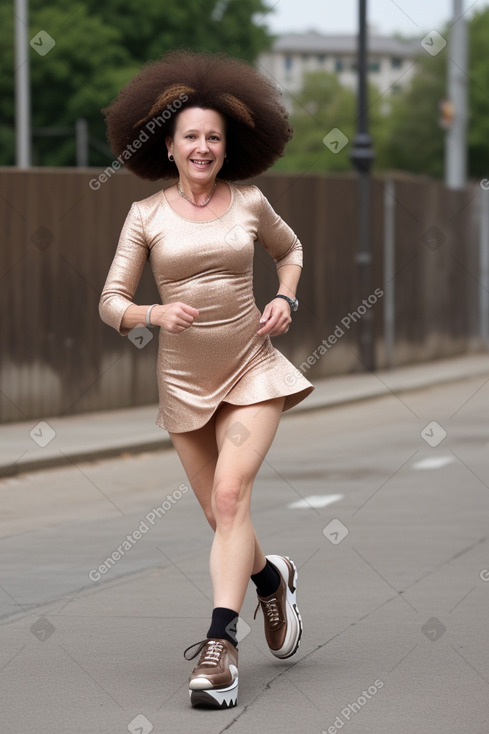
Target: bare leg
198,453
221,471
244,435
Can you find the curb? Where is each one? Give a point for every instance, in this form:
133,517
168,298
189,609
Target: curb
74,457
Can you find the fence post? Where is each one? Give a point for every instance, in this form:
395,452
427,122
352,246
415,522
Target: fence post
484,267
389,287
81,131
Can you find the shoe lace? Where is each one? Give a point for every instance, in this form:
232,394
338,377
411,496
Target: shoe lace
211,652
270,611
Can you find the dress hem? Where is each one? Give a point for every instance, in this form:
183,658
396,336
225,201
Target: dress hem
291,399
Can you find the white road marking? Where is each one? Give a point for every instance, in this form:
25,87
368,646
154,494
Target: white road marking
433,462
315,500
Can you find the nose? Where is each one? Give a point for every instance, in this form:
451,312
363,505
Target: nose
202,144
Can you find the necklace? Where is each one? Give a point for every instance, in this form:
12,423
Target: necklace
193,202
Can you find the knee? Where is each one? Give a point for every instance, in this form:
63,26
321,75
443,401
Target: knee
228,499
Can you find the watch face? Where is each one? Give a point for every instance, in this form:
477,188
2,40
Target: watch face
294,304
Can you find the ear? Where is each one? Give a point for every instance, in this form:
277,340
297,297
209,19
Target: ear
169,144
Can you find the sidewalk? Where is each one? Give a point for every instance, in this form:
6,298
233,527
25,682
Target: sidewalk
34,445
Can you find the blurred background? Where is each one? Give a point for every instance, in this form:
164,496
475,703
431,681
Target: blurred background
425,220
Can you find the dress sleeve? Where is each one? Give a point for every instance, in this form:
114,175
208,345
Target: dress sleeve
277,237
125,271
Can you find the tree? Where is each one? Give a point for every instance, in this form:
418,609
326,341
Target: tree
478,134
321,106
413,139
98,48
75,79
410,138
149,29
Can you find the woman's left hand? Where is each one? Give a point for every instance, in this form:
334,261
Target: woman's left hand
276,318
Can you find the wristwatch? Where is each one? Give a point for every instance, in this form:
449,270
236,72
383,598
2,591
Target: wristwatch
293,302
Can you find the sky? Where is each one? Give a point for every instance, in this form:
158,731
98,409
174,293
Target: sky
408,17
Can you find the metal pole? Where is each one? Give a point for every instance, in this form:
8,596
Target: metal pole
81,142
484,268
456,137
22,90
389,272
362,157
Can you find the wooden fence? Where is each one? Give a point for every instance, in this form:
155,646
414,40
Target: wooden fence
60,229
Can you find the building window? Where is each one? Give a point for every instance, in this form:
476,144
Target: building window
338,65
396,63
321,58
374,66
288,63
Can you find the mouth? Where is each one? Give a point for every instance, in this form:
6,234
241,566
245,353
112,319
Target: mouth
201,162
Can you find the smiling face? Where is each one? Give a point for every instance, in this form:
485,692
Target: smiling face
198,145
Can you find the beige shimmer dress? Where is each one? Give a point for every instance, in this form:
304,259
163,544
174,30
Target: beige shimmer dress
207,265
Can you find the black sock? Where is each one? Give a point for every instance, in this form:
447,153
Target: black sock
224,625
267,581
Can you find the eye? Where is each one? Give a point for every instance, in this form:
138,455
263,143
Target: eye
215,137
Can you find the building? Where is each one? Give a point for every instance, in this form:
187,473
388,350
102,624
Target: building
391,60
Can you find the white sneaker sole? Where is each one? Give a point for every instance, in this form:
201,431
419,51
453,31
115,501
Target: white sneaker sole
217,698
294,620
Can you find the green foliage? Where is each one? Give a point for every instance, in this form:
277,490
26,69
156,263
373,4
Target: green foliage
75,79
149,29
322,105
7,137
410,137
478,136
99,47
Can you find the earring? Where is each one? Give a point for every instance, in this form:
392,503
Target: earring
171,158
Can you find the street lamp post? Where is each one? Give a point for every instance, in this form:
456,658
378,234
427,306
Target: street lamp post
456,137
22,92
362,157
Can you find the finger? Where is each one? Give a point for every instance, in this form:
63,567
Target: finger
178,322
282,325
266,328
177,328
190,310
266,314
276,318
269,326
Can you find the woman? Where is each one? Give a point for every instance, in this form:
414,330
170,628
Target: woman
222,385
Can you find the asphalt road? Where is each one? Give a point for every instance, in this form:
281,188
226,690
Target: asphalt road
393,582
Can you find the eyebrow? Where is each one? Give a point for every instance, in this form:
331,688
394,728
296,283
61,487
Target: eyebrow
211,132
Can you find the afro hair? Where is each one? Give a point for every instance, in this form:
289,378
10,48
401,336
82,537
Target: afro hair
145,111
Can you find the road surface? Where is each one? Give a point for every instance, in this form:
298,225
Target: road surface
383,505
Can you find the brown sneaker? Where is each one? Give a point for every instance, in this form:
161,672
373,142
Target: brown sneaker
214,680
283,623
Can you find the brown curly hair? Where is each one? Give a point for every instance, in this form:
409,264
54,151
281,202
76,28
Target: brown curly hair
144,113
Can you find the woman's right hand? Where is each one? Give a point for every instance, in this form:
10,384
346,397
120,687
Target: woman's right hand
174,317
